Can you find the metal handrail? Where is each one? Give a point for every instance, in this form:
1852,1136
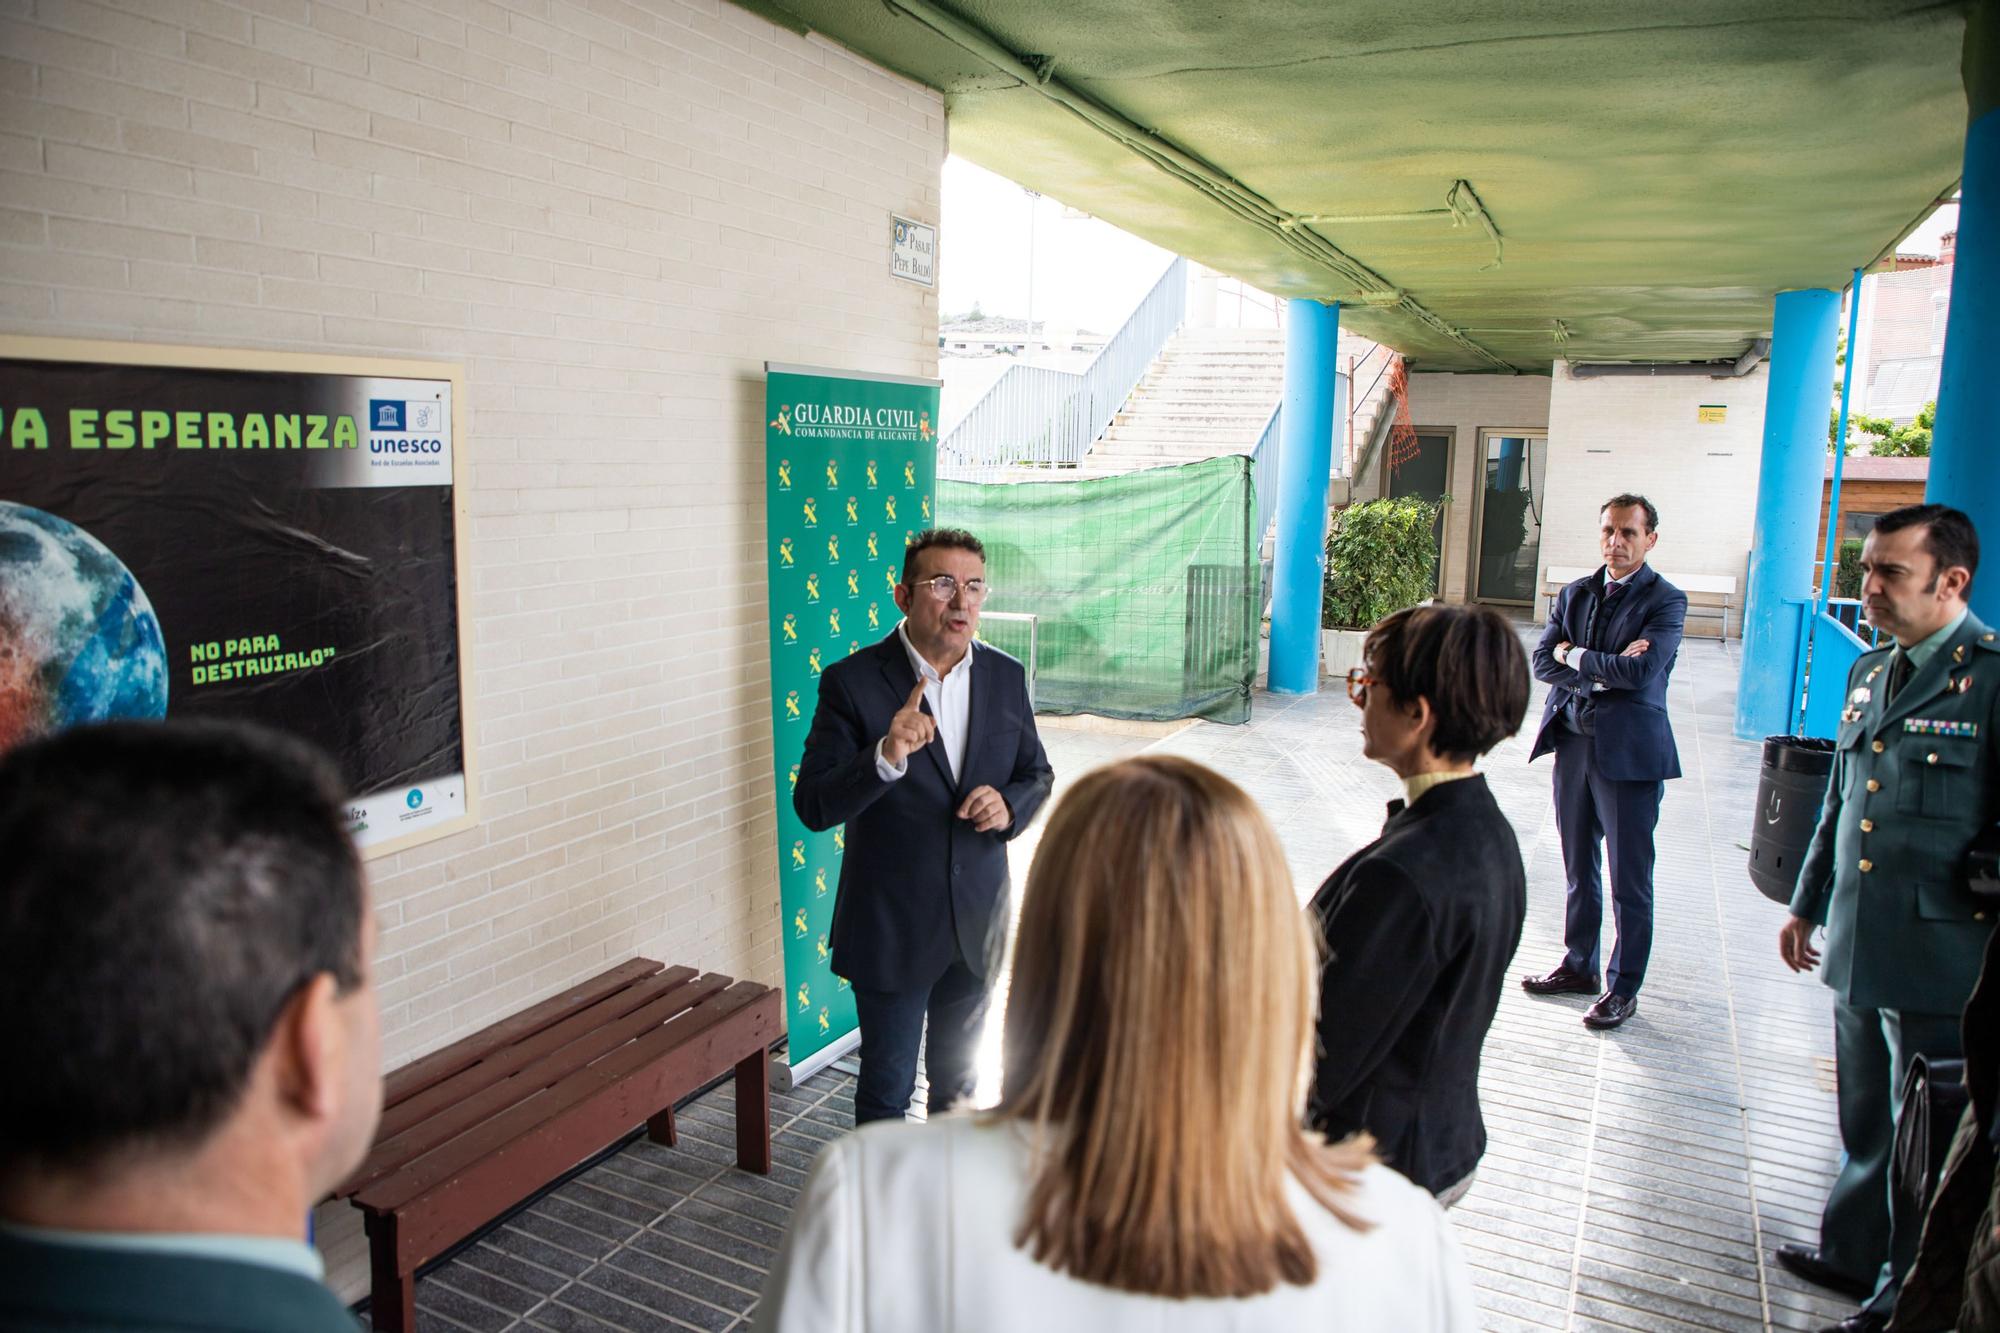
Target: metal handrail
1270,444
1035,417
1264,475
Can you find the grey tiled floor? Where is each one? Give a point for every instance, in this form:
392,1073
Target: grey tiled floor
1636,1180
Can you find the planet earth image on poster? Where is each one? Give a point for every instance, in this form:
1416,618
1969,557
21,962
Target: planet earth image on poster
78,638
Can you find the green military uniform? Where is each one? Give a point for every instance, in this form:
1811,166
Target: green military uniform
1915,777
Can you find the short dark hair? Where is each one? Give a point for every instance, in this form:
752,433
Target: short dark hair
1466,660
169,886
1627,500
1948,534
952,539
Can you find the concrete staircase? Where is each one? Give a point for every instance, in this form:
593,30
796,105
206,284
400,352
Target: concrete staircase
1211,393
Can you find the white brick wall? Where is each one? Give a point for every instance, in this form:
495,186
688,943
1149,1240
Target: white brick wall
1639,433
612,214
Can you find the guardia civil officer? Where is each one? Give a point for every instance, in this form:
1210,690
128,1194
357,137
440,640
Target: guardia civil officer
1916,775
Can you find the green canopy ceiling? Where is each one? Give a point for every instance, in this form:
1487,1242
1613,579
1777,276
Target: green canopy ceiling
1654,172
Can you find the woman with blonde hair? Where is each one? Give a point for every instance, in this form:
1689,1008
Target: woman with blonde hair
1146,1167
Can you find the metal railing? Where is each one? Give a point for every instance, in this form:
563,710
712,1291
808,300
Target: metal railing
1034,417
1019,633
1264,458
1264,477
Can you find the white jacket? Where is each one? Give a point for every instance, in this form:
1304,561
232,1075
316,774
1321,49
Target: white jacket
910,1227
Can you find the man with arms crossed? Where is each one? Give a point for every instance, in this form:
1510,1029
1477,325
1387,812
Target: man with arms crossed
1914,780
924,745
191,1046
1606,655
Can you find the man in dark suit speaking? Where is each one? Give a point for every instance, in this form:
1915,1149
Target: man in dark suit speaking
924,745
1609,647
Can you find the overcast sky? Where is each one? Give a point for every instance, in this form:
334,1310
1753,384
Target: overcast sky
1087,274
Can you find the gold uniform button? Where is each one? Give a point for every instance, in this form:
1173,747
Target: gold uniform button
1866,865
1867,826
1878,747
1931,758
1874,785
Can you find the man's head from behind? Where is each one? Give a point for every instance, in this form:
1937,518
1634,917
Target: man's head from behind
1916,570
184,955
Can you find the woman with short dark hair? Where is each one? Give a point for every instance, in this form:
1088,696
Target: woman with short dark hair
1421,923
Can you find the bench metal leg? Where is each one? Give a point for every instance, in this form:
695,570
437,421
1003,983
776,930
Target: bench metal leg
392,1293
660,1129
753,1113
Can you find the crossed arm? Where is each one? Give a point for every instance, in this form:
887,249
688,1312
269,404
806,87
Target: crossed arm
1558,661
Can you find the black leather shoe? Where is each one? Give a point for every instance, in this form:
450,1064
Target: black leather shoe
1610,1010
1560,981
1804,1261
1861,1321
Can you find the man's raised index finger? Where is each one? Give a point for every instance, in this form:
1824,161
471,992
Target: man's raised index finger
916,699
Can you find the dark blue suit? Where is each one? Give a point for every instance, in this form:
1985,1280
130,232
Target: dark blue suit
919,911
1606,723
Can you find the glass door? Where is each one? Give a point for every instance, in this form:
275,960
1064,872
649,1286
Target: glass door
1425,474
1513,479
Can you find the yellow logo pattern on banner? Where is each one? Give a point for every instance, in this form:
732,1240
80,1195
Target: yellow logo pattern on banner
878,439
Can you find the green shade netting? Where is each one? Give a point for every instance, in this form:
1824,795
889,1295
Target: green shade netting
1146,588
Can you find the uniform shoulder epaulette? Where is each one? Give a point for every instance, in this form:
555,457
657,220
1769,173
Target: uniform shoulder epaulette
1988,640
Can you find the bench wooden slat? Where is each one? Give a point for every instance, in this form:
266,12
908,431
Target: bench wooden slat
446,1061
490,1138
499,1165
394,1154
516,1056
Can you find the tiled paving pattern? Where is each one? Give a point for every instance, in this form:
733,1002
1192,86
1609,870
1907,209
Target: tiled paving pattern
1636,1180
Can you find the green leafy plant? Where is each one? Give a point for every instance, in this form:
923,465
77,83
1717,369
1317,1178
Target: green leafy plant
1885,438
1847,569
1381,556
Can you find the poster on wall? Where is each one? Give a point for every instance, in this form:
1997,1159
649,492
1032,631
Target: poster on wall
195,532
850,463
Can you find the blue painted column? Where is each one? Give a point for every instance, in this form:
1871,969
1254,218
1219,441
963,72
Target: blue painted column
1512,450
1305,465
1790,474
1965,443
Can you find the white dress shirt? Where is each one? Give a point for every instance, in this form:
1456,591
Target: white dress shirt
950,698
906,1228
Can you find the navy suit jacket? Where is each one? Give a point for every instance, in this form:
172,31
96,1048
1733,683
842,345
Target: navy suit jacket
1634,742
917,883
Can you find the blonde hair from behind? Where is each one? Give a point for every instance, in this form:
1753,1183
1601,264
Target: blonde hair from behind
1159,1033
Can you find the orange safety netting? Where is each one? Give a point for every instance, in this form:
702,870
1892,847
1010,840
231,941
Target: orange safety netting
1402,430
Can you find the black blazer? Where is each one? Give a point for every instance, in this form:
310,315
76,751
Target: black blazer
47,1286
1633,741
1420,926
916,881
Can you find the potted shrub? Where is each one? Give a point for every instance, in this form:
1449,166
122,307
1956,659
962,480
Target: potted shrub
1381,556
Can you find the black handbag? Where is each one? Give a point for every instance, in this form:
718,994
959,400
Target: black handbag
1934,1097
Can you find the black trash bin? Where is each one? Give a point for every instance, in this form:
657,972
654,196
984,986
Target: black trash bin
1788,799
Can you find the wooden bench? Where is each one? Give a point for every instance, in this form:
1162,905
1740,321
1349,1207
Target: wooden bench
1716,591
472,1130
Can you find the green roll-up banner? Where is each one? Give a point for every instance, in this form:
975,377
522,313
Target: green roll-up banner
850,466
